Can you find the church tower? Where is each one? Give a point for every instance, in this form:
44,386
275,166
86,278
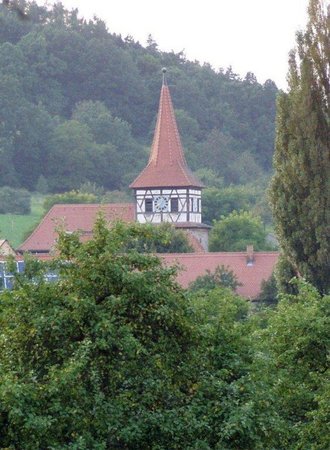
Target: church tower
166,190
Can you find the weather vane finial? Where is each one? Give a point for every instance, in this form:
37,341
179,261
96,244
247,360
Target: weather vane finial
164,70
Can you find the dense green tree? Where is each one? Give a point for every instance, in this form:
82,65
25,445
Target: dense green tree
235,408
221,277
218,153
110,353
295,364
24,128
116,197
218,202
10,94
300,190
115,355
42,185
163,238
114,132
8,175
99,120
14,201
87,193
112,77
44,72
69,197
56,66
236,231
246,169
269,292
285,273
69,163
30,144
209,178
75,158
189,133
262,206
13,28
221,153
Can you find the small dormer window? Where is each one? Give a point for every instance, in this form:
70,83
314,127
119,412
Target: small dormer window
148,205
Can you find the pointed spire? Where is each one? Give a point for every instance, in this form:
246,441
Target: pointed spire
167,166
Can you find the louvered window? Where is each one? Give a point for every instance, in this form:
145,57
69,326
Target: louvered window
148,205
174,204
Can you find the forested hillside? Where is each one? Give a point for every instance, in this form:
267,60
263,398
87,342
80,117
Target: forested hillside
78,103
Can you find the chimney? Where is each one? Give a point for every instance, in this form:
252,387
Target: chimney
249,255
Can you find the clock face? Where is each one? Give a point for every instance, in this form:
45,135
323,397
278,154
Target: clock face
161,203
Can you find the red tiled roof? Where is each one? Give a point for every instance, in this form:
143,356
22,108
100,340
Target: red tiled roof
74,217
167,165
251,276
196,264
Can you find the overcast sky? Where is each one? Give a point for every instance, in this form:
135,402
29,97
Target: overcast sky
249,35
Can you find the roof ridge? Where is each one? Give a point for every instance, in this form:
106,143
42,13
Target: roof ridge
86,205
209,254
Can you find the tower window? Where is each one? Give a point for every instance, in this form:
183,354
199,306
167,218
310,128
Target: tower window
148,205
174,204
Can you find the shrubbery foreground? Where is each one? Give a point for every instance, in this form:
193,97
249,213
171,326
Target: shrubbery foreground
117,355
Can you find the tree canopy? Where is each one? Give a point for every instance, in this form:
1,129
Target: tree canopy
114,354
79,102
221,277
236,231
300,188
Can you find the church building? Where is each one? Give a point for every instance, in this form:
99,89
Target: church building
165,191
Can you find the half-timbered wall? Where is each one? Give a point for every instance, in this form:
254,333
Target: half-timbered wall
188,205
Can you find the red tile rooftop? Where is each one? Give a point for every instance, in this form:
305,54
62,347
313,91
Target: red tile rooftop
195,264
74,217
250,275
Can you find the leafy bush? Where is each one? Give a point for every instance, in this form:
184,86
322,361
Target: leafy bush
87,193
91,188
221,277
163,238
122,351
116,355
296,345
234,232
218,202
14,201
269,292
116,197
284,273
69,197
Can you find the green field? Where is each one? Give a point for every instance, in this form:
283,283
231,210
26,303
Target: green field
15,227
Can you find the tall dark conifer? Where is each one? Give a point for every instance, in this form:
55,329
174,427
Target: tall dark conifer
300,189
